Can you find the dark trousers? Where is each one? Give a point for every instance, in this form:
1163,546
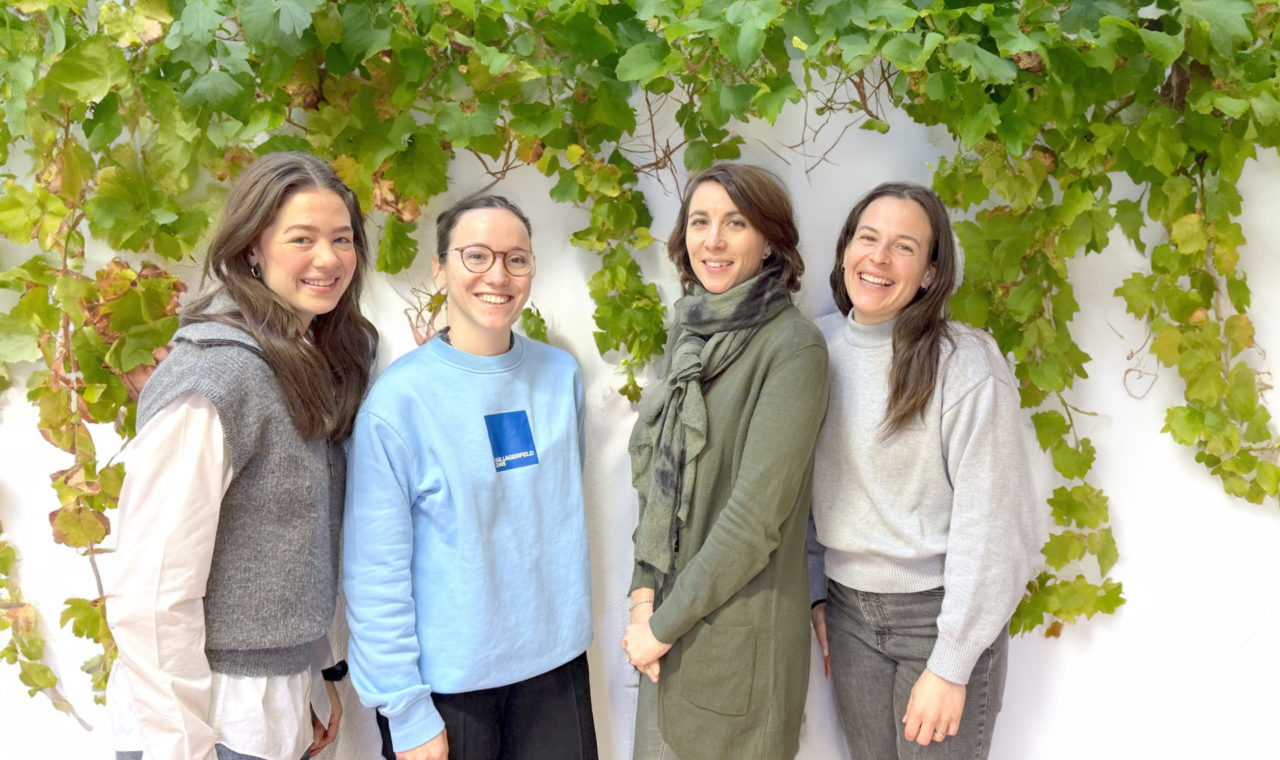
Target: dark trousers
547,717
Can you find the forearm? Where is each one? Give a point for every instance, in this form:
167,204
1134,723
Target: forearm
169,509
774,470
383,650
993,536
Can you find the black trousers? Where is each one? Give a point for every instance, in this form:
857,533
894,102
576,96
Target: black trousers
547,717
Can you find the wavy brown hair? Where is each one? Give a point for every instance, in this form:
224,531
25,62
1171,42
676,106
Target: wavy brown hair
921,326
323,370
762,199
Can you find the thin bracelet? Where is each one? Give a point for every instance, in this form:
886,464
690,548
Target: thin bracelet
642,601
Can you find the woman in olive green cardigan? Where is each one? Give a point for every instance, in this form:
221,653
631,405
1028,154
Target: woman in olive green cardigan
722,458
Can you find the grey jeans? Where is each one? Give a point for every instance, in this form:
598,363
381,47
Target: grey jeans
649,743
880,644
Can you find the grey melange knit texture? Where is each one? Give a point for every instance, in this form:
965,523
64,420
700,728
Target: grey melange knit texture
273,581
947,501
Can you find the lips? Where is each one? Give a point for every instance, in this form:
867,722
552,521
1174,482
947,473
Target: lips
871,279
496,300
326,283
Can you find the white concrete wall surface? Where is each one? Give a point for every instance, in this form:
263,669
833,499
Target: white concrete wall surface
1186,669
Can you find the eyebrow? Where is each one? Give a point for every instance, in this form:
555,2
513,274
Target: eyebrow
486,245
312,228
700,212
873,229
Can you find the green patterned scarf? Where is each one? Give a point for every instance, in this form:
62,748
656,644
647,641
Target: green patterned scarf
711,330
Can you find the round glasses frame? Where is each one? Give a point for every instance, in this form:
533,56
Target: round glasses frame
489,256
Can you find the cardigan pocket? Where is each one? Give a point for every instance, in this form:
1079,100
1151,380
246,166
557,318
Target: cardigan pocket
718,668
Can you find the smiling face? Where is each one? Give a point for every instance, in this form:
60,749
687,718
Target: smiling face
307,255
483,307
724,248
886,262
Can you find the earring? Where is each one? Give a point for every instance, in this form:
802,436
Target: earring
767,253
256,271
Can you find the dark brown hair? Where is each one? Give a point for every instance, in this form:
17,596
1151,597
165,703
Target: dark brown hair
921,326
448,219
323,379
762,199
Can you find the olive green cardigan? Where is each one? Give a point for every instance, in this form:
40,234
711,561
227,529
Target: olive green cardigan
737,612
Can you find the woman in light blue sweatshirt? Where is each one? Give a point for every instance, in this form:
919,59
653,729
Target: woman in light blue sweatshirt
465,548
927,523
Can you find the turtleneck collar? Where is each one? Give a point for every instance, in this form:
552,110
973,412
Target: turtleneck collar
868,336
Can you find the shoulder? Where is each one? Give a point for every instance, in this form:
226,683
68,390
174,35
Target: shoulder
548,369
791,331
215,359
412,373
547,354
970,358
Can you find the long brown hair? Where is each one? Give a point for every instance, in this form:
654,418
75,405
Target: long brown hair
762,199
323,379
921,326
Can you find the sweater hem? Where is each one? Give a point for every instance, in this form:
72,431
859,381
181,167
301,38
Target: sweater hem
274,661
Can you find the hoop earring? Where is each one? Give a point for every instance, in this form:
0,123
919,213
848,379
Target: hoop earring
256,271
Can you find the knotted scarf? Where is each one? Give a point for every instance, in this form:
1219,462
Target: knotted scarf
711,330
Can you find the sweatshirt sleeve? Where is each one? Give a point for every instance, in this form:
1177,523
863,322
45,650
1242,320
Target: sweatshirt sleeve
169,508
383,650
781,435
995,528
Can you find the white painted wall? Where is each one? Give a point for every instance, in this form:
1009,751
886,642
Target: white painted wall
1182,671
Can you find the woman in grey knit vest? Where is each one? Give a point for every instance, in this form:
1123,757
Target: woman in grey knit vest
225,579
722,458
927,523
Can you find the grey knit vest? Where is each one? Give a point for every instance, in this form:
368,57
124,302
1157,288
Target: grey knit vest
273,581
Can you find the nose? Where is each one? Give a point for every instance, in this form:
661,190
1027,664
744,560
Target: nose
714,237
881,253
498,270
324,255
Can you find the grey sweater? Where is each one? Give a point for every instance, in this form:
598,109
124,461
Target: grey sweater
947,501
273,579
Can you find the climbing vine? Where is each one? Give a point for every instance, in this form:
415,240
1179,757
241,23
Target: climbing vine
1072,122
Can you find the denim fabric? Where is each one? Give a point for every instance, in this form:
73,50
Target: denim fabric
649,744
880,644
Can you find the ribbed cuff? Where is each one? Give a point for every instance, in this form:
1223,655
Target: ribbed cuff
416,725
954,660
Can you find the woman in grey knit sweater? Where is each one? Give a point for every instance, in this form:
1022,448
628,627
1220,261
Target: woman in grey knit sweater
926,521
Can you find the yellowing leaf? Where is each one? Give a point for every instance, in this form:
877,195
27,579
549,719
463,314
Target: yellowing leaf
78,526
1189,234
1239,331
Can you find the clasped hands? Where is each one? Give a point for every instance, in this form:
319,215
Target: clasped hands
642,647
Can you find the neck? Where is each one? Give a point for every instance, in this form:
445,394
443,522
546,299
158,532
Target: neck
481,342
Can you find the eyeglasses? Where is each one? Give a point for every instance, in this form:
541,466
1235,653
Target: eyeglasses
479,259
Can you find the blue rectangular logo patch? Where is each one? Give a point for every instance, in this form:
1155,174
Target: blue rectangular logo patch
511,440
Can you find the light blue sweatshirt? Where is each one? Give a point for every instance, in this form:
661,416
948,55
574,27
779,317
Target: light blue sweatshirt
465,549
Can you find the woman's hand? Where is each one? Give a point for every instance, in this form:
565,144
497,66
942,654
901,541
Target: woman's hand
819,616
643,648
641,611
934,710
322,736
436,749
